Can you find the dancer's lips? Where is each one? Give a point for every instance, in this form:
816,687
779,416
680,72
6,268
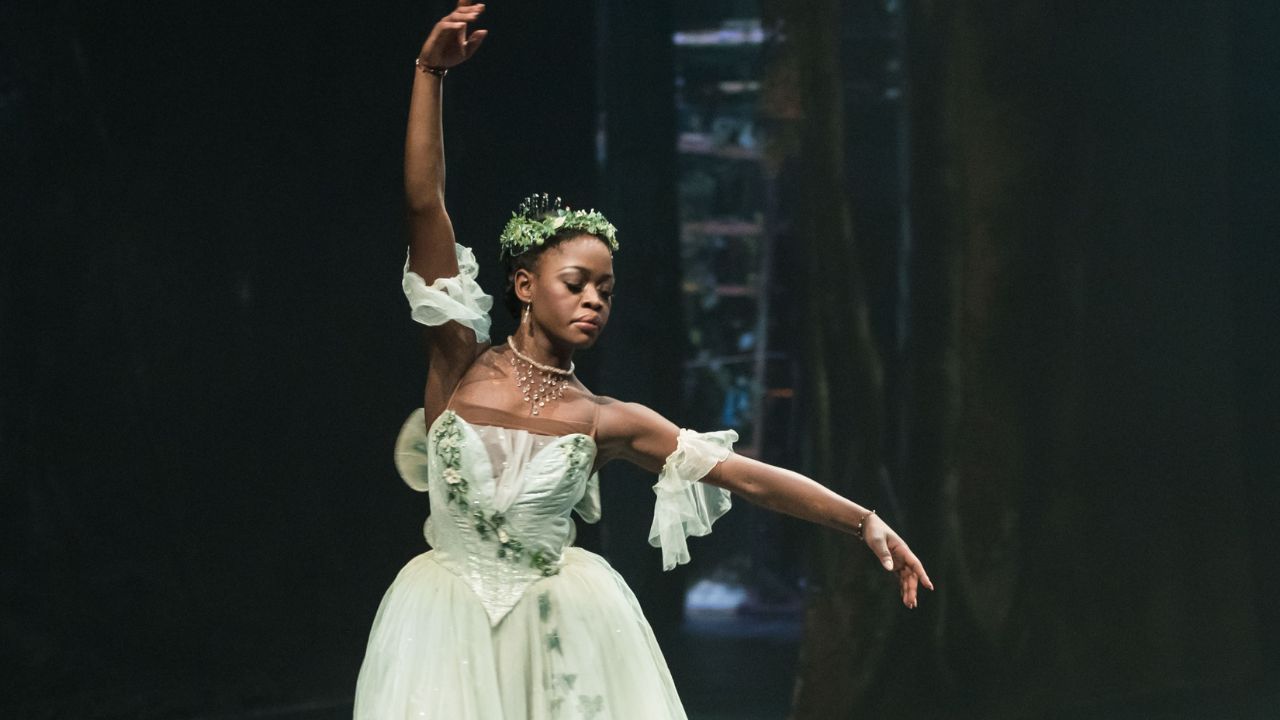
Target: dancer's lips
590,323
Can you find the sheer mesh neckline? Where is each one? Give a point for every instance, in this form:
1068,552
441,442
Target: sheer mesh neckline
487,395
478,415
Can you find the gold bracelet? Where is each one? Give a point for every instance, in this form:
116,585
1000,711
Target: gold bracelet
857,532
437,71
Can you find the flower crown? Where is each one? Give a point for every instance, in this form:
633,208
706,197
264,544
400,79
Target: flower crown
538,218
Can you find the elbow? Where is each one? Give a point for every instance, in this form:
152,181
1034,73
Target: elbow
752,491
424,204
731,474
424,200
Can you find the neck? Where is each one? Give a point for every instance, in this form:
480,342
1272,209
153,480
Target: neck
540,348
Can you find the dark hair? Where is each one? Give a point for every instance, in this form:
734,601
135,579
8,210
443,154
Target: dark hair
528,259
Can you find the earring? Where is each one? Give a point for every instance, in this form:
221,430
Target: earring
525,319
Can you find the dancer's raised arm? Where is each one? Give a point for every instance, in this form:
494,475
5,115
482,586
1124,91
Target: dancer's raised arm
633,432
454,309
431,253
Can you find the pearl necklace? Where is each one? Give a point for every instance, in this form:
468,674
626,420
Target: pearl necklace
551,380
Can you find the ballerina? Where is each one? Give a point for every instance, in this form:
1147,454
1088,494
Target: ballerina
503,617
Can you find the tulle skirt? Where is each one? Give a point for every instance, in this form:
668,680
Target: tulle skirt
576,647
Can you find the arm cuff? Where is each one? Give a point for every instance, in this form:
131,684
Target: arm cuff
685,506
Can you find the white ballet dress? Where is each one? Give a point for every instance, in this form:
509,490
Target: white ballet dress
503,619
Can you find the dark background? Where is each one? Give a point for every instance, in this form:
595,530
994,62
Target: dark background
204,354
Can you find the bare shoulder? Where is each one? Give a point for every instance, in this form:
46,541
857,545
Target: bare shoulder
619,418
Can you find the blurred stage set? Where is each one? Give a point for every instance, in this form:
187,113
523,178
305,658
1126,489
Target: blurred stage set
1005,271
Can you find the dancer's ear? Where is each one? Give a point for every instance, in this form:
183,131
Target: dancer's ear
523,282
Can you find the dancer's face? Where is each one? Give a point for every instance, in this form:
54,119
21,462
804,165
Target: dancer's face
572,291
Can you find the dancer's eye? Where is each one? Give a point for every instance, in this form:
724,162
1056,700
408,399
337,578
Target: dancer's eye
573,288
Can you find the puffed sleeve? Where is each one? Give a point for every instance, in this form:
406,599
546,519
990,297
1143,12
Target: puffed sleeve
458,298
412,462
685,506
411,451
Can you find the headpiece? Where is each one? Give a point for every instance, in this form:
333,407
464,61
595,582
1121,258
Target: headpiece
538,218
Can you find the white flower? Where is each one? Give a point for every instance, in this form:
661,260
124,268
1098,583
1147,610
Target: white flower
502,536
451,476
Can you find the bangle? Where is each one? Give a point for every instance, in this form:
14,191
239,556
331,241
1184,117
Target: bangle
437,71
857,532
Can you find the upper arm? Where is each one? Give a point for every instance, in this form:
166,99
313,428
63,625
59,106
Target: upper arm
431,242
450,347
633,432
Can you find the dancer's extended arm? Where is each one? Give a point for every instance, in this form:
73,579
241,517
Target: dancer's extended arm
431,239
634,432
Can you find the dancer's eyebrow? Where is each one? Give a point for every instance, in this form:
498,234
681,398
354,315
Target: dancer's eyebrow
605,276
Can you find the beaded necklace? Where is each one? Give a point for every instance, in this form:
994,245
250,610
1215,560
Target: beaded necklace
550,380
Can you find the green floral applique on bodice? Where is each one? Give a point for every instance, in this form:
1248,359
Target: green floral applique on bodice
499,551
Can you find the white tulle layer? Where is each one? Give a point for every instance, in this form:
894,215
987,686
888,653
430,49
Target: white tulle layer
575,647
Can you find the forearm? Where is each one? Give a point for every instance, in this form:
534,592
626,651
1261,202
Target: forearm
787,492
424,145
431,251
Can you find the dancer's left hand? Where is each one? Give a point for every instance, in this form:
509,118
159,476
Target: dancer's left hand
894,555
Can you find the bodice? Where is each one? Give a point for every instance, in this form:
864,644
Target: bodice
500,500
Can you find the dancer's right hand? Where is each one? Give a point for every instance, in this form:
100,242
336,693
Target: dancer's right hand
449,44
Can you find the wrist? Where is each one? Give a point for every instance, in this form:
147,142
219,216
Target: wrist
860,530
430,69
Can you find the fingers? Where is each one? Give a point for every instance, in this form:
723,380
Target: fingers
911,575
474,41
918,569
909,585
457,22
466,14
445,30
913,564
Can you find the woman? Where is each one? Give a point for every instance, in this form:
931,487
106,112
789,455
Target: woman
503,618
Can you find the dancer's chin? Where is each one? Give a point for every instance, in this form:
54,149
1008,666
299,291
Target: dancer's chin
585,337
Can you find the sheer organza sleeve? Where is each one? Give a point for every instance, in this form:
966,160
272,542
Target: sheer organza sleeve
458,298
685,506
